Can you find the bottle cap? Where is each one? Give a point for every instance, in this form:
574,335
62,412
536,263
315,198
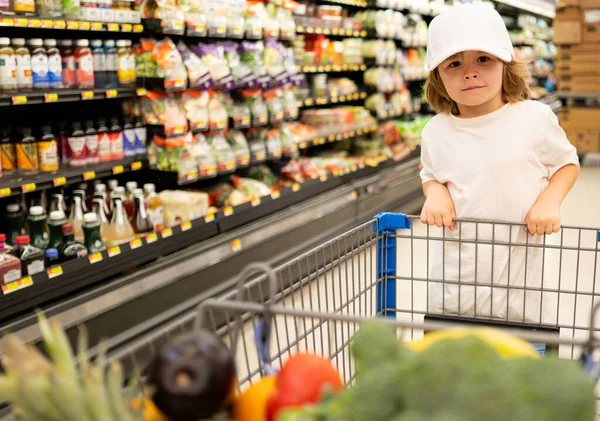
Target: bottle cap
36,211
121,43
100,188
138,192
4,41
6,132
119,191
82,43
35,42
18,42
51,252
89,124
65,42
76,125
57,215
90,217
96,43
22,240
67,229
109,43
113,184
131,186
50,42
26,131
47,129
149,188
101,122
13,207
2,238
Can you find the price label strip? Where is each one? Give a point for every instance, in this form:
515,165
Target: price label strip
166,233
54,272
186,226
135,244
114,251
17,285
209,218
95,258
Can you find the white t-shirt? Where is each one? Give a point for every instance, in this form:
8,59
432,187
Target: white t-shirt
495,167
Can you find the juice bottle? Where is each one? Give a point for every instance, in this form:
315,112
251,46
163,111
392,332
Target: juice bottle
112,78
8,66
32,258
115,135
3,244
57,203
8,152
48,150
54,64
52,257
123,63
63,141
14,220
84,64
131,62
155,206
57,220
91,231
27,153
37,227
100,193
77,149
71,248
76,218
104,154
100,78
120,230
68,63
39,63
141,222
91,143
23,59
81,192
128,202
98,205
128,139
141,137
10,266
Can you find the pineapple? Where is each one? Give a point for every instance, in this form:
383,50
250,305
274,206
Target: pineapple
60,389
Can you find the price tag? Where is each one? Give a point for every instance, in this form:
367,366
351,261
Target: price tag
303,145
17,285
138,28
166,233
186,226
323,177
126,27
230,165
54,271
135,244
326,31
87,95
59,181
318,30
135,166
89,175
255,202
275,195
114,251
48,24
209,218
8,22
72,25
85,26
95,258
19,99
295,187
363,95
96,26
53,97
342,98
21,22
34,23
28,187
5,192
331,138
119,169
228,211
260,156
111,93
112,27
236,245
363,33
151,238
141,91
310,29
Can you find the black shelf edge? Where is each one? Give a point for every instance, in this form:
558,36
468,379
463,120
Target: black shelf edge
336,137
331,68
65,95
316,101
333,32
36,22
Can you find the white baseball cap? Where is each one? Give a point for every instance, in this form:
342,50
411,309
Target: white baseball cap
472,27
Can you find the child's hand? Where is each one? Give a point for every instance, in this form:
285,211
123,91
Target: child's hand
544,216
438,208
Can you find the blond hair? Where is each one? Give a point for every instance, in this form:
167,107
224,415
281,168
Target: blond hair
514,88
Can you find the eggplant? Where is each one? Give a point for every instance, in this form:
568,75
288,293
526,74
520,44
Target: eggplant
193,376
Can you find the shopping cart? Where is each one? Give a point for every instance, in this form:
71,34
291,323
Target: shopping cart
412,276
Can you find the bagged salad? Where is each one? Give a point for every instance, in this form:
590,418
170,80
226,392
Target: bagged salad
258,108
158,108
170,65
263,174
257,145
218,117
172,154
195,104
239,146
198,74
202,152
273,142
222,152
251,188
274,106
213,57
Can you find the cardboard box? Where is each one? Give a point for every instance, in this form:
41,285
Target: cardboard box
589,141
567,32
578,53
588,4
569,83
568,3
568,14
574,68
580,118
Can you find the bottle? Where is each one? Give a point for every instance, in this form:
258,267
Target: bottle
68,63
128,201
81,192
13,219
104,154
10,266
131,62
91,142
57,203
84,64
128,139
27,153
71,248
39,63
8,66
123,63
100,193
48,150
52,257
112,78
140,221
3,243
155,206
63,139
141,137
37,227
120,230
91,231
98,207
100,78
32,258
23,61
77,149
8,152
115,135
76,218
57,220
54,64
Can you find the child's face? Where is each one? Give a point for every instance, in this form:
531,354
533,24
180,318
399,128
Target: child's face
473,79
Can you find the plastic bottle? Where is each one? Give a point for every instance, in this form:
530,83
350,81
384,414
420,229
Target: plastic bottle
39,63
120,230
100,76
76,217
140,221
128,139
155,206
128,202
63,141
99,208
23,61
55,224
81,192
8,152
71,248
48,150
91,231
54,64
52,257
10,266
27,153
123,63
84,64
115,134
91,143
68,63
8,66
32,258
13,220
112,66
3,243
100,193
37,227
77,148
131,62
104,154
141,137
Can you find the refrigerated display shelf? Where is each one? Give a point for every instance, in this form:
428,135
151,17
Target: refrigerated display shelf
70,25
353,3
15,184
64,95
340,32
331,99
329,137
332,68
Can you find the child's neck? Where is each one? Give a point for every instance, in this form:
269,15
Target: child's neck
467,111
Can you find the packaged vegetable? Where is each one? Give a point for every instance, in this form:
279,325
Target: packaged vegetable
170,64
180,206
274,107
218,117
198,74
235,26
290,105
273,142
257,146
146,66
273,58
253,28
251,188
288,142
217,26
166,111
240,113
263,174
239,146
201,151
195,104
172,154
213,57
222,152
258,107
220,193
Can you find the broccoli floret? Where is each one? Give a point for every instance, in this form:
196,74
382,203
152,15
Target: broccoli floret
374,344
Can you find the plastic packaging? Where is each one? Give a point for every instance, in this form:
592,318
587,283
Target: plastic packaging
54,64
100,64
181,206
155,206
141,137
76,217
10,266
68,63
77,148
100,208
115,136
91,231
23,63
27,153
55,224
84,64
128,139
52,257
8,152
170,64
120,230
48,151
141,222
37,227
70,249
39,63
8,66
32,258
104,150
112,78
14,220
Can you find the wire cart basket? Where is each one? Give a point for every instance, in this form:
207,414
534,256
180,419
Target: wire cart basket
415,277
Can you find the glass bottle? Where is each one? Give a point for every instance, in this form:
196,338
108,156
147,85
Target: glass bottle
123,63
48,150
91,231
32,258
104,153
57,220
57,203
38,232
115,135
77,148
10,266
130,62
140,221
71,248
23,59
128,201
141,137
120,231
128,138
8,66
81,192
100,77
54,64
27,153
84,64
76,217
14,221
91,142
8,151
112,78
155,206
98,205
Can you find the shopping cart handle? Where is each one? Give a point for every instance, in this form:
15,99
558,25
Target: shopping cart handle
391,221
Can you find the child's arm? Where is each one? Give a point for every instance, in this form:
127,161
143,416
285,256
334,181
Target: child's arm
439,207
544,216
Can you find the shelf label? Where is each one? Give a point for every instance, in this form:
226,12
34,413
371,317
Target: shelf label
95,258
28,187
138,28
331,138
209,218
255,202
8,22
135,244
20,22
228,211
89,175
114,251
34,23
17,285
141,91
87,95
236,245
96,26
119,169
323,177
85,26
72,25
230,165
113,27
48,24
112,93
135,166
260,156
303,145
295,187
151,238
19,99
275,195
54,271
5,192
308,102
52,97
126,27
166,233
186,226
342,98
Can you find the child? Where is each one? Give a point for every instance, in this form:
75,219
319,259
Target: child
490,153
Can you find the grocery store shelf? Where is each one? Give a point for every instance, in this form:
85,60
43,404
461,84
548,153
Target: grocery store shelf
64,95
331,99
538,7
334,136
353,3
331,68
578,95
391,114
11,185
341,32
72,25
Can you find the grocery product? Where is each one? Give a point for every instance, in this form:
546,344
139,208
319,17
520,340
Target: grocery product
54,64
8,153
104,143
38,231
48,150
70,249
23,62
140,220
100,64
6,247
91,232
55,224
77,150
10,266
115,137
27,153
120,230
251,404
180,206
8,66
128,138
112,66
68,63
52,257
14,219
32,258
100,208
155,208
84,64
76,217
39,63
